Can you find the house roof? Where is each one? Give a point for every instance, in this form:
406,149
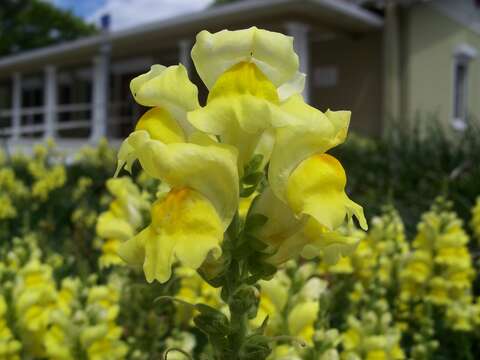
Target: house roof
338,14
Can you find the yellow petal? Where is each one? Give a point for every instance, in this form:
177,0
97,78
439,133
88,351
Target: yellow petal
170,89
132,251
293,87
210,169
281,223
161,126
265,147
243,79
241,107
301,319
126,157
272,52
313,132
289,248
245,203
317,188
333,244
166,87
340,121
276,290
110,226
185,226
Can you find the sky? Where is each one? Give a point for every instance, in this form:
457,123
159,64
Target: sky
127,13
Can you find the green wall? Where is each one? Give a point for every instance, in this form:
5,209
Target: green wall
430,42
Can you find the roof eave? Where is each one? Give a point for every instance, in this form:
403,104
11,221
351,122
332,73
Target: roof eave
344,14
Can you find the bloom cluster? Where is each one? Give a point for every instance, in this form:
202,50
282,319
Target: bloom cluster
123,218
206,157
439,270
12,190
48,315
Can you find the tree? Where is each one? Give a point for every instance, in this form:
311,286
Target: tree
29,24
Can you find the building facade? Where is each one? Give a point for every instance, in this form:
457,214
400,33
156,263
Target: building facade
380,59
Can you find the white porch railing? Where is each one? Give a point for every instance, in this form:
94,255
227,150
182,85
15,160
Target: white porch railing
120,115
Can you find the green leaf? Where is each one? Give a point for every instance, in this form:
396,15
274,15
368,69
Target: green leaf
215,282
252,279
259,268
254,222
244,299
256,347
247,191
243,251
207,310
261,329
257,244
253,178
253,164
211,321
234,228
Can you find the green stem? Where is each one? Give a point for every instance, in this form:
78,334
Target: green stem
239,326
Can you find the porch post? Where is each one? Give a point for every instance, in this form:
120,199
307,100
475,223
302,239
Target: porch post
391,105
184,48
100,82
299,32
50,102
16,105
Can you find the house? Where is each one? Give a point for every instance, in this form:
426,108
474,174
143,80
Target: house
382,59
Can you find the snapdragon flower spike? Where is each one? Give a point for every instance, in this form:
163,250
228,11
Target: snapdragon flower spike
189,221
199,153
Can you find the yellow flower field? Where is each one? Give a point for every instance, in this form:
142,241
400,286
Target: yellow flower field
233,236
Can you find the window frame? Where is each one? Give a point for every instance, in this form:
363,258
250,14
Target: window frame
462,58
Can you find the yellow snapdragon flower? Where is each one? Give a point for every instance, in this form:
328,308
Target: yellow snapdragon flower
171,95
11,188
101,339
9,346
123,218
311,185
47,178
288,236
371,337
296,313
35,298
301,174
59,339
199,207
439,270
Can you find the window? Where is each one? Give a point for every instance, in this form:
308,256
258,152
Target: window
462,56
460,104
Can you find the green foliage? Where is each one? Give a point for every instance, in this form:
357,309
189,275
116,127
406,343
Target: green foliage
30,24
252,176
